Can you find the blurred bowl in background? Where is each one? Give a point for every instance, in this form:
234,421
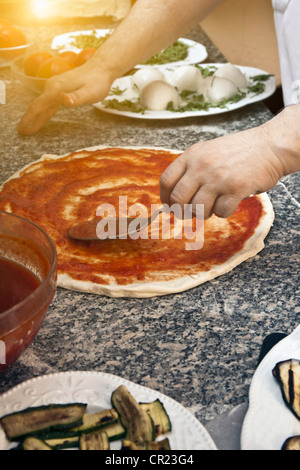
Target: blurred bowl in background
9,54
28,280
35,84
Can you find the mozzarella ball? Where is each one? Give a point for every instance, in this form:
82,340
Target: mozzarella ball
232,73
187,77
156,96
142,77
221,89
204,86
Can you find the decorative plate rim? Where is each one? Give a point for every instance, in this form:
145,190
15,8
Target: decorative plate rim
203,434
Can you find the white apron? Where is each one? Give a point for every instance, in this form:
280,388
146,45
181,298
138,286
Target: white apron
287,23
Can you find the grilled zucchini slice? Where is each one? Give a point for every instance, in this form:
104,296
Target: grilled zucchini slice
160,417
63,442
41,419
164,444
292,443
33,443
115,431
70,438
95,440
92,422
137,422
288,375
129,445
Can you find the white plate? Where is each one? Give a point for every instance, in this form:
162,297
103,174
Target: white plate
64,42
95,389
269,422
124,83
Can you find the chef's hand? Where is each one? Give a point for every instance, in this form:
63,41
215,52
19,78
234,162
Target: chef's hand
85,84
220,173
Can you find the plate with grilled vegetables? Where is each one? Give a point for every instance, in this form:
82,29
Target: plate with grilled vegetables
272,421
95,411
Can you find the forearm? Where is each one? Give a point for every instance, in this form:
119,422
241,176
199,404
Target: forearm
151,26
283,135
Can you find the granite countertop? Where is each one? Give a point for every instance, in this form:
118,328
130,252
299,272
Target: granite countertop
199,347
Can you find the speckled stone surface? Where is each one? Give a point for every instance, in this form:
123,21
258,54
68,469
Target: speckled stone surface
199,347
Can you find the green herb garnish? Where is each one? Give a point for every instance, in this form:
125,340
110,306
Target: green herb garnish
258,88
116,91
83,41
125,105
207,71
196,103
175,52
261,78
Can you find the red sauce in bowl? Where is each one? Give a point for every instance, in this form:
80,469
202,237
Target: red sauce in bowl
16,283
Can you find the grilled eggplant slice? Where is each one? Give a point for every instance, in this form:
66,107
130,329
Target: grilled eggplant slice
138,423
33,443
41,419
288,375
160,417
96,440
292,443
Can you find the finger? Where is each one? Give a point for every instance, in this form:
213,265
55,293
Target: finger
170,178
206,196
34,123
186,188
39,113
83,95
226,204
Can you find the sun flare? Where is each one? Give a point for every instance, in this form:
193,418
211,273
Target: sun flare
41,8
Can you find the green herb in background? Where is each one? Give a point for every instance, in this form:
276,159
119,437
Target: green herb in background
175,52
83,41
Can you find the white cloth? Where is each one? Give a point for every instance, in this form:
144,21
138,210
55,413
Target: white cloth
287,23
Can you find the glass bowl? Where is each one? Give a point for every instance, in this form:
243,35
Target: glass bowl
35,84
9,54
26,244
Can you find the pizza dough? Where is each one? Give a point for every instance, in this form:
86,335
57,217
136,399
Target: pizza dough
57,192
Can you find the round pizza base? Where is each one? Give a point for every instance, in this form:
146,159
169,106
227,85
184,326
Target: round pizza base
144,289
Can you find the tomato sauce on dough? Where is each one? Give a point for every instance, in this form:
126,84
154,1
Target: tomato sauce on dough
57,193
